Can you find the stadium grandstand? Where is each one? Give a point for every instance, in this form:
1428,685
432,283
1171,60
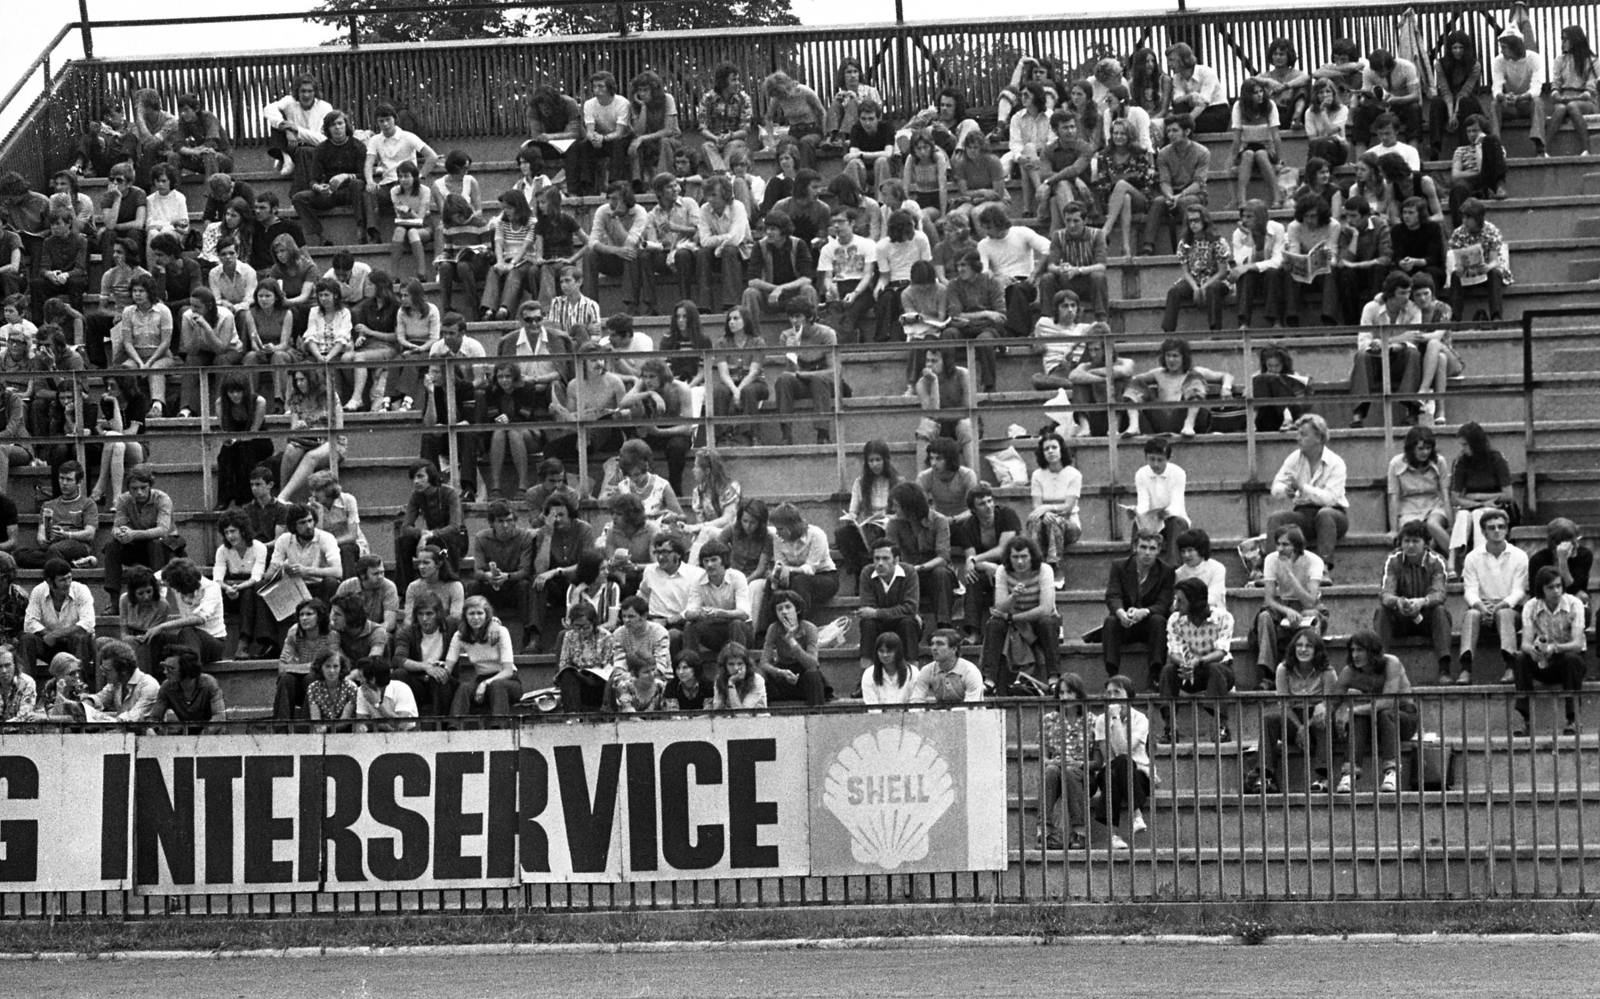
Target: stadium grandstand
1167,431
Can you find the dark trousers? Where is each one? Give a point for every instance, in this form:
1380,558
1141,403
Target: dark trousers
32,650
984,355
1282,724
998,666
1356,287
1267,389
1266,285
707,638
1439,117
118,556
207,646
791,386
854,542
433,696
1208,679
849,321
938,590
1323,526
1122,784
1152,631
406,542
597,167
1091,290
676,448
510,602
1366,112
1181,293
729,265
1565,669
809,686
1020,313
1295,296
1435,625
1495,286
1393,726
656,264
580,690
502,695
908,628
309,206
289,699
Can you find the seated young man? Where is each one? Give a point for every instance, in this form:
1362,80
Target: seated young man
187,696
1138,601
1198,658
1412,601
781,268
60,618
1495,583
723,612
502,569
1017,257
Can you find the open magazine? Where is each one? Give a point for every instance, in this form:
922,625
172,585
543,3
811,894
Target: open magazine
1307,267
1469,263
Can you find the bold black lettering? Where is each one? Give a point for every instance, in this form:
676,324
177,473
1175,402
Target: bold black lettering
19,838
745,814
411,862
217,774
588,823
680,852
642,806
261,828
115,769
313,797
500,847
346,863
533,796
450,823
163,823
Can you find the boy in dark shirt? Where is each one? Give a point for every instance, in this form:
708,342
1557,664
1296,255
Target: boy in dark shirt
63,264
1068,161
783,266
871,145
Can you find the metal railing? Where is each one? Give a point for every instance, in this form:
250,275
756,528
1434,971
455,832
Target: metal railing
1486,804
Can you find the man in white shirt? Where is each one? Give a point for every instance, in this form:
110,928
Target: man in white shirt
383,703
1159,486
467,378
295,124
1495,583
671,588
233,281
60,618
671,230
131,694
846,268
195,615
1312,479
948,678
724,243
723,611
308,552
386,150
352,275
1017,257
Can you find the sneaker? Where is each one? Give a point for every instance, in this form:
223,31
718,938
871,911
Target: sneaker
87,562
1118,843
1391,782
1078,842
1319,786
1508,677
1343,787
1464,677
1223,735
1139,824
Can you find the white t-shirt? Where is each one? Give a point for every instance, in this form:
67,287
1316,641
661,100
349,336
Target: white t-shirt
889,692
1307,567
895,259
398,701
1058,487
391,151
1211,573
847,261
1062,344
1161,492
1014,257
1407,152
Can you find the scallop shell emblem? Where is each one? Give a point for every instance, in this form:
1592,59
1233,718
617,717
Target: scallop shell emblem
888,788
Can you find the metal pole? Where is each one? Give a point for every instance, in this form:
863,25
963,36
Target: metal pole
901,54
622,20
83,27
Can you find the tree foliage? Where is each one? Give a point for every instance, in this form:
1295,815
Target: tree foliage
581,19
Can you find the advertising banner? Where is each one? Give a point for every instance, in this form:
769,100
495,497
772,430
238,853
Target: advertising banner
656,799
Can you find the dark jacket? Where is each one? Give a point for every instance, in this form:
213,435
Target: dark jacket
560,343
1123,591
898,602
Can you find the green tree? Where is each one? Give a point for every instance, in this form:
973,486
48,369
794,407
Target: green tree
579,19
443,26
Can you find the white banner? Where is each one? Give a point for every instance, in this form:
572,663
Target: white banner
64,811
658,799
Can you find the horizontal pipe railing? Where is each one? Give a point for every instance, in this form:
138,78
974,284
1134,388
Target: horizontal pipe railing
1485,806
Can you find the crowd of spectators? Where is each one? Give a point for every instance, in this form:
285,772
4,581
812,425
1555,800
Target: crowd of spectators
679,591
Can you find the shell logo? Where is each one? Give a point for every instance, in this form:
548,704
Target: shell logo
888,788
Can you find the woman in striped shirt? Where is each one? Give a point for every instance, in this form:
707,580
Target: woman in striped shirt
513,248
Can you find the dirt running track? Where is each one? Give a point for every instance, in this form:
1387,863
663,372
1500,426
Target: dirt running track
1481,970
